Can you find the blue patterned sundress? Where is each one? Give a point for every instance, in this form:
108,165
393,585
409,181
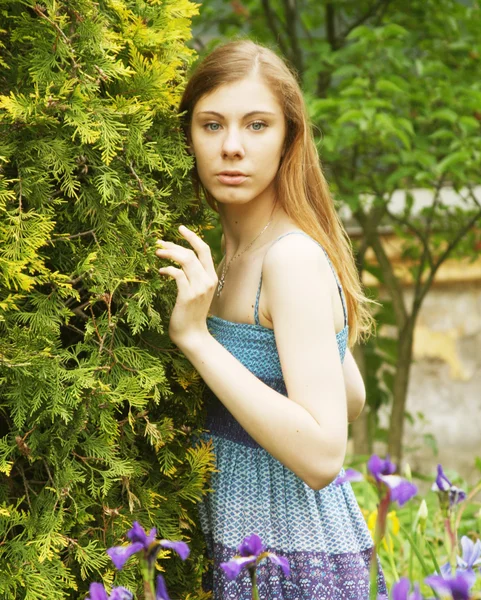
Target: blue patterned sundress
322,533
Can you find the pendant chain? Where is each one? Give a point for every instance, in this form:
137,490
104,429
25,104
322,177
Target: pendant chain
225,268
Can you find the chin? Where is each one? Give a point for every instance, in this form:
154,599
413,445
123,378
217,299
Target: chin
231,196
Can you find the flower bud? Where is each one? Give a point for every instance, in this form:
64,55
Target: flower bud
422,516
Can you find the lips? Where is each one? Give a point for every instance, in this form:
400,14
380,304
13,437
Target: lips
232,173
231,177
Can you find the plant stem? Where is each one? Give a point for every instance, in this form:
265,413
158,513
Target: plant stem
390,554
148,577
378,536
255,591
451,539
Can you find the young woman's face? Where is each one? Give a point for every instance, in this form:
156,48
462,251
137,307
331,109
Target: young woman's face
239,127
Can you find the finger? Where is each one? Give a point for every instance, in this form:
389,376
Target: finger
201,248
180,278
189,262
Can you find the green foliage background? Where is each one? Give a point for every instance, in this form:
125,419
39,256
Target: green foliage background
97,407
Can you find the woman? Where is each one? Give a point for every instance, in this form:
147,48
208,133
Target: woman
268,333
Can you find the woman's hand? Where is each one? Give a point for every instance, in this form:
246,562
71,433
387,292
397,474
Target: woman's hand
196,284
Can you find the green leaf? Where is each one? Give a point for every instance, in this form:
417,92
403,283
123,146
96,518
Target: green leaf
454,159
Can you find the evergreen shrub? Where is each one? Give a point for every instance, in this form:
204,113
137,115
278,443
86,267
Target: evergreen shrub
97,407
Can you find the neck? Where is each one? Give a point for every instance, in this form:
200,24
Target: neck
241,224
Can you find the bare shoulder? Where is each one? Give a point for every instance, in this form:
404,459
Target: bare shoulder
297,277
295,257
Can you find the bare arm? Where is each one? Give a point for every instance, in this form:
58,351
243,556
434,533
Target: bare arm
355,390
306,431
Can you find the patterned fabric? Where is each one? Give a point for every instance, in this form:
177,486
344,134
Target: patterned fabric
322,533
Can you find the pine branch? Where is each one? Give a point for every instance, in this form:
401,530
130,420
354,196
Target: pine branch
139,181
40,10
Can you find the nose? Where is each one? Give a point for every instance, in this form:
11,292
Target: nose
232,145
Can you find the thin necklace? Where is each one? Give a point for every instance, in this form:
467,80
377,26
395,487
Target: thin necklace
225,268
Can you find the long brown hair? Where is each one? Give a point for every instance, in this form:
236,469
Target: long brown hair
301,187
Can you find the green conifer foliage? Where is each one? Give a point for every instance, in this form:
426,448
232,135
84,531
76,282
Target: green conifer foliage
97,407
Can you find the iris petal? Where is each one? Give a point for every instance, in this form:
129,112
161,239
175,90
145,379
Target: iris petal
138,534
251,546
97,592
181,548
121,593
121,554
161,589
349,475
416,595
400,589
458,586
233,567
281,561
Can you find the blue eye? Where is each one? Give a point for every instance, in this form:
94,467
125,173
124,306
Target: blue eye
258,123
208,126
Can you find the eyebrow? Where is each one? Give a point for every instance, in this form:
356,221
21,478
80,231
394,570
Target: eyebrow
249,114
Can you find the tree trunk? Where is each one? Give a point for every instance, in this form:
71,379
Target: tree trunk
359,433
400,388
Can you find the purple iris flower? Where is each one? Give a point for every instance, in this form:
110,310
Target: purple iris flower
121,593
234,566
458,586
97,592
161,589
400,590
349,475
251,546
181,548
138,534
445,487
141,541
379,467
400,489
446,570
121,554
251,551
471,554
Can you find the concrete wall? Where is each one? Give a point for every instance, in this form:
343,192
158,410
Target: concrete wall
445,380
445,386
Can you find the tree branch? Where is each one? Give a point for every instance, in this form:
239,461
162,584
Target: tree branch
454,242
331,25
63,237
370,13
426,251
417,232
473,197
271,19
139,181
369,224
291,12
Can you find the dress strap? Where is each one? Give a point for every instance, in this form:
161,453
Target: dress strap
339,286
